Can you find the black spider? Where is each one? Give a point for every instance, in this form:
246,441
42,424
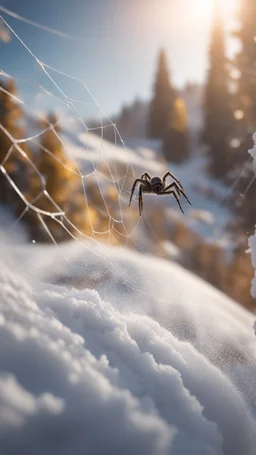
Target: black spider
156,185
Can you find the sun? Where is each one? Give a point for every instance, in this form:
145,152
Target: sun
205,8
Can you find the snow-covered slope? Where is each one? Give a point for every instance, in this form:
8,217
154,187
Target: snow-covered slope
87,148
80,375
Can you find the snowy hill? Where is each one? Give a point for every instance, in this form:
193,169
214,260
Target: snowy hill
88,148
177,299
83,371
106,350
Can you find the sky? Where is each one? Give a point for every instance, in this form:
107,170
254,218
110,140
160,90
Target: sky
114,49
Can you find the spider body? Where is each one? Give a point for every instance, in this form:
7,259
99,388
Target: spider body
157,185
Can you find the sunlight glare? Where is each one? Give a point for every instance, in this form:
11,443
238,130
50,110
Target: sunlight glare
205,8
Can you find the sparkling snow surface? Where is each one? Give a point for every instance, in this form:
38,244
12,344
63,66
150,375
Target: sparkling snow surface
93,372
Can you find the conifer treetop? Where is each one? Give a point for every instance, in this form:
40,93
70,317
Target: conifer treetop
161,104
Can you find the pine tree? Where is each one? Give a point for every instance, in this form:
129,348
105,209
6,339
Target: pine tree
176,141
217,107
12,160
125,122
162,102
246,64
61,183
240,274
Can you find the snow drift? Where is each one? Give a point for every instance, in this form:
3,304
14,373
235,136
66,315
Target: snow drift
184,304
79,376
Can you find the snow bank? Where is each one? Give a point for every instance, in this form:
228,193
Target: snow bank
252,245
252,152
78,376
252,239
181,302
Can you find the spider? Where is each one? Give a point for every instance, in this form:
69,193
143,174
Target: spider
158,186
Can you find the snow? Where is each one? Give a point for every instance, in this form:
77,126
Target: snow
172,250
56,396
252,152
252,245
207,197
80,374
252,239
128,335
208,215
220,329
87,148
252,250
202,215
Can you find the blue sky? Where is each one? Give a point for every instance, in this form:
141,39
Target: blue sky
116,46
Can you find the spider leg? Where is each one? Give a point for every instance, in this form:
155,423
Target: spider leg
173,177
173,184
179,190
140,199
146,176
183,194
176,197
134,186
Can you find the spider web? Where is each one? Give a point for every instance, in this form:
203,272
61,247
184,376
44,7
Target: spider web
117,181
100,166
104,171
